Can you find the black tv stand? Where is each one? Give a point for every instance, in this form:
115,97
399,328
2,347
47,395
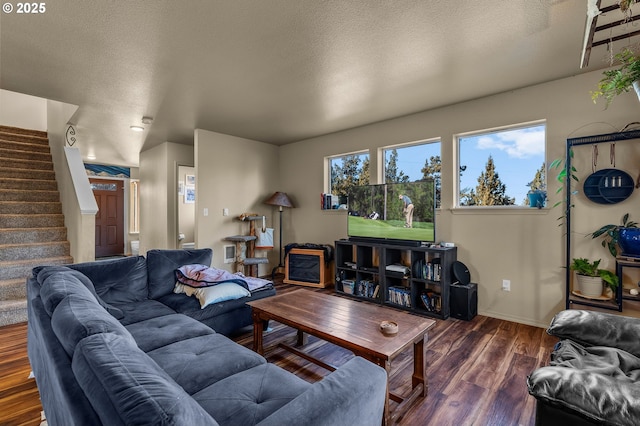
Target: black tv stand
384,241
423,289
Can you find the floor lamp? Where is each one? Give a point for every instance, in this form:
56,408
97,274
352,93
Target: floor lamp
280,199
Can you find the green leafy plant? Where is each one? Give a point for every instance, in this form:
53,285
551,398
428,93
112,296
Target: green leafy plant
583,266
560,164
609,277
619,80
611,234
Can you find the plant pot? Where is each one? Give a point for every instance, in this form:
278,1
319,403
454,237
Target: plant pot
590,286
536,199
636,87
629,241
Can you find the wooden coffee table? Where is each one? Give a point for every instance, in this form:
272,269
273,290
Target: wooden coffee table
354,326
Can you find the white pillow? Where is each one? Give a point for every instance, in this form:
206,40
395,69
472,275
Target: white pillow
214,294
220,293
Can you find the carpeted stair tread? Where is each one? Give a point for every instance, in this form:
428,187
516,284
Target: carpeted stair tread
13,289
23,145
21,131
24,155
32,235
36,207
10,163
38,250
15,269
30,184
31,220
30,174
13,311
35,195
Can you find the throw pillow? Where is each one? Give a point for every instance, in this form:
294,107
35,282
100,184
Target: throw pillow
218,293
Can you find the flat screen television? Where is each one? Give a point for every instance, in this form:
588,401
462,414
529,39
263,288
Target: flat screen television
376,212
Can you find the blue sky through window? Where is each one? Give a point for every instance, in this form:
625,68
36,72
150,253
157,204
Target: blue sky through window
517,154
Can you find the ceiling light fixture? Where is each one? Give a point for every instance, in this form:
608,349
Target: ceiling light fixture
137,128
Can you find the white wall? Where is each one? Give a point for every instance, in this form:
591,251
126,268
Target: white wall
237,174
525,246
80,226
20,110
158,194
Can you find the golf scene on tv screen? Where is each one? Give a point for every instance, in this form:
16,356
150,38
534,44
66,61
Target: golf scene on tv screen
396,211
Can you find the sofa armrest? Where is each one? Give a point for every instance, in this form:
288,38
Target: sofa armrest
605,399
590,328
352,395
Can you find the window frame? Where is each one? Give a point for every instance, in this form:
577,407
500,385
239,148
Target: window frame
456,167
328,166
382,161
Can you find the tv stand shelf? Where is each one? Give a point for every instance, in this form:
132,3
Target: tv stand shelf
422,288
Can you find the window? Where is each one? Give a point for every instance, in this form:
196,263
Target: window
412,163
498,167
347,171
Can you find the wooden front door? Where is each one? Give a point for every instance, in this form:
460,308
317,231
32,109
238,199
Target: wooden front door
110,217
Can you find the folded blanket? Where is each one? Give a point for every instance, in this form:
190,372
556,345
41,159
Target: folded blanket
198,276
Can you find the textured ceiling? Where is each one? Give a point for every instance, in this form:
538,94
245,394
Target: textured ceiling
277,71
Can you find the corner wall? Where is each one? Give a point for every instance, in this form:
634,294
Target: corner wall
159,193
237,174
525,246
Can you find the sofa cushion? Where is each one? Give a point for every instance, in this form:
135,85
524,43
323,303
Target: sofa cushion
251,395
56,287
118,280
79,316
46,271
161,266
126,387
161,331
215,354
140,311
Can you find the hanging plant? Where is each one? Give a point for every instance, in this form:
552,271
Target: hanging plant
625,6
621,79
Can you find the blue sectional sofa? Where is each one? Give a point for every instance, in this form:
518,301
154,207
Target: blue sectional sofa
111,344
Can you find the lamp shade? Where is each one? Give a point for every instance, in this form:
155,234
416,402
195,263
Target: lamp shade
280,199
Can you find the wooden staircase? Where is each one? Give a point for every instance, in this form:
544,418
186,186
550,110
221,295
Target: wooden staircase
32,230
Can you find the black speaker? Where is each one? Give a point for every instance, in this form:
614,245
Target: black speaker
464,301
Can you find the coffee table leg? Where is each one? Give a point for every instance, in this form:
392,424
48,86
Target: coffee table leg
258,329
419,367
301,339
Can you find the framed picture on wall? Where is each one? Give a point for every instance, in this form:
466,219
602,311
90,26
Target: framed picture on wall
190,194
190,179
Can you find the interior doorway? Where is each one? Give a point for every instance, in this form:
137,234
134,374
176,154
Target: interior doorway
109,196
186,207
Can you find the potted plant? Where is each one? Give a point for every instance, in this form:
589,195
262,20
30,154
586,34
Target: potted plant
621,79
626,236
537,194
590,277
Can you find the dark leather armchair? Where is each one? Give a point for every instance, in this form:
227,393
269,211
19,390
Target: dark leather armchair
594,373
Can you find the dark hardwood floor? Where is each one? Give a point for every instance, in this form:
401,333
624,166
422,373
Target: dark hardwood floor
476,371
